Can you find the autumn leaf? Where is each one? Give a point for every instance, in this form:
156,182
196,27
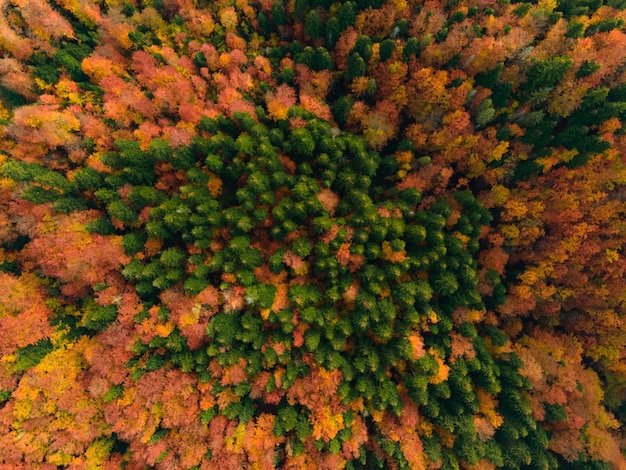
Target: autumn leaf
279,102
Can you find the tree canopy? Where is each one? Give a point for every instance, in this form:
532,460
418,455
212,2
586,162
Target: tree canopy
312,234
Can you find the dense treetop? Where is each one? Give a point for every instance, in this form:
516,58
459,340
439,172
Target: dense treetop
312,234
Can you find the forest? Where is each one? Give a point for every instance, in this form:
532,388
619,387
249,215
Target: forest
312,234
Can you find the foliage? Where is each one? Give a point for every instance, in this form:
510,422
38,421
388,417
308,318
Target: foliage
312,234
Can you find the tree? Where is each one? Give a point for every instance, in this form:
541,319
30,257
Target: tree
313,25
